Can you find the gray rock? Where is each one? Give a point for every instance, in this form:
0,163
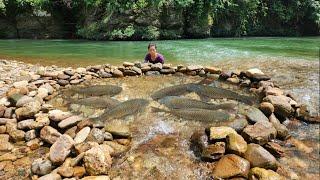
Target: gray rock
4,121
156,67
96,135
63,82
61,149
267,108
41,167
194,67
42,93
128,72
137,70
108,136
167,71
9,112
152,73
30,135
255,115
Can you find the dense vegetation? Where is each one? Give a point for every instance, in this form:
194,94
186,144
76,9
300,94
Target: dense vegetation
157,19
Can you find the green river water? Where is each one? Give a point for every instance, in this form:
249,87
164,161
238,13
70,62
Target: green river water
204,51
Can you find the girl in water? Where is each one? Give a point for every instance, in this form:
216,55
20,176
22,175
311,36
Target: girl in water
153,56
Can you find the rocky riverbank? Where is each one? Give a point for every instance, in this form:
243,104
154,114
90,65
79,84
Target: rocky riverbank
76,148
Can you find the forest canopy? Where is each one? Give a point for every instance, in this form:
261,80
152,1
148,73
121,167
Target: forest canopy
157,19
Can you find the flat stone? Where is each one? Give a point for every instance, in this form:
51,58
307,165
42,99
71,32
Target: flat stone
51,176
145,68
28,124
82,135
63,76
156,67
213,152
70,121
194,67
118,129
104,74
213,70
20,84
275,149
24,100
63,82
236,144
137,70
76,81
231,166
128,64
128,72
264,174
58,115
81,70
69,72
167,71
273,91
152,73
260,157
4,121
260,133
96,178
61,149
49,134
41,167
221,132
255,115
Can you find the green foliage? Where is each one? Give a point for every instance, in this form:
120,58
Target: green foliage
170,19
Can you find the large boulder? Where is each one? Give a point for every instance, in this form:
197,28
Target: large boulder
282,105
260,133
264,174
61,149
231,166
260,157
28,110
97,161
221,132
236,144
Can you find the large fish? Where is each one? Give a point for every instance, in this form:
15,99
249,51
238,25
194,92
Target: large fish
176,90
174,102
196,114
124,109
220,93
97,90
98,102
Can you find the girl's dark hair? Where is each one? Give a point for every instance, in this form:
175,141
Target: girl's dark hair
152,44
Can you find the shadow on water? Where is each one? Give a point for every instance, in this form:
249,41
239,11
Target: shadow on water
160,147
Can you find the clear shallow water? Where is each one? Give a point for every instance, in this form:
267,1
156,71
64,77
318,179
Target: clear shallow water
160,147
204,51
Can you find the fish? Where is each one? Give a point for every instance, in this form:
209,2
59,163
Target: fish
176,90
97,90
174,102
220,93
98,102
123,109
196,114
